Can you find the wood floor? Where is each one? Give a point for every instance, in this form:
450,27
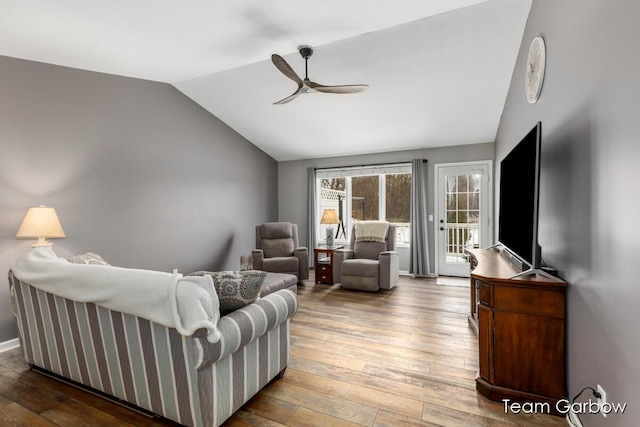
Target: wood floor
404,357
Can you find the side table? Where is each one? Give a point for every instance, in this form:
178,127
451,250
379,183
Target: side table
323,263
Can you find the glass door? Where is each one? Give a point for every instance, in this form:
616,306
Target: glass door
463,221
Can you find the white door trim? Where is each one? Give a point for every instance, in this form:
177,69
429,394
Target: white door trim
436,208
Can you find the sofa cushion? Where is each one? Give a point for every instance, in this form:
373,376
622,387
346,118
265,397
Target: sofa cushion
277,247
276,281
87,258
235,289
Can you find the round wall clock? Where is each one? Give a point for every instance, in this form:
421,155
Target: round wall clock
535,69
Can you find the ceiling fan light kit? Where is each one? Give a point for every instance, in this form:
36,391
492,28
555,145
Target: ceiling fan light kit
305,85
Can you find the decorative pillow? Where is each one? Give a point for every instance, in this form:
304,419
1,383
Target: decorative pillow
88,258
235,289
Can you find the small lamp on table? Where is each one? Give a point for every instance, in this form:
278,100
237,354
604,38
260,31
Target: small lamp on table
329,216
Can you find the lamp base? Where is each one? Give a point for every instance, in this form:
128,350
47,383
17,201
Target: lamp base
329,236
41,242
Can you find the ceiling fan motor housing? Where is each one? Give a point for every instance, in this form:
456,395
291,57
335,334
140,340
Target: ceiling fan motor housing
305,51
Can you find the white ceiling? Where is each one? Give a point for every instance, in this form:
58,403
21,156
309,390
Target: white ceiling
438,70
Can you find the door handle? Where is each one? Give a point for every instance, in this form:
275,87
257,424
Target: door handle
441,228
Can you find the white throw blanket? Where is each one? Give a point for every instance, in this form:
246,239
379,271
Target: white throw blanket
184,303
371,231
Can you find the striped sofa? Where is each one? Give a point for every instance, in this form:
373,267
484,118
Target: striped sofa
183,378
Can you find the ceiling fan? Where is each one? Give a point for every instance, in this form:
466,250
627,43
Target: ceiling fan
306,85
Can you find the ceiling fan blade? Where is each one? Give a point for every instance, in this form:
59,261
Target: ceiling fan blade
307,86
337,89
285,68
291,97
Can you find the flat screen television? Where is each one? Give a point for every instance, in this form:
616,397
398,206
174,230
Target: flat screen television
519,198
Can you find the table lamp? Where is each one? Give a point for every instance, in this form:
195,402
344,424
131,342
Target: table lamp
39,223
329,216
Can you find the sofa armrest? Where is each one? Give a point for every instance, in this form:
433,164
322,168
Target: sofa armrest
257,255
303,263
389,269
340,255
247,324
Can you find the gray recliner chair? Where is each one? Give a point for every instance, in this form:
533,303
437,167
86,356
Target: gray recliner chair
368,266
277,250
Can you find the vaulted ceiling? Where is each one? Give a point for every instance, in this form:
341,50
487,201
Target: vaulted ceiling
438,70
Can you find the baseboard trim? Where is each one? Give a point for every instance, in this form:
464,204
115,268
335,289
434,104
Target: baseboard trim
9,345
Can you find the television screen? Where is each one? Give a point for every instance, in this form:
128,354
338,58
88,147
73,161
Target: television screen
518,217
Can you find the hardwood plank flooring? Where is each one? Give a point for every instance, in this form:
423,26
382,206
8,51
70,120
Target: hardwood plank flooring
404,357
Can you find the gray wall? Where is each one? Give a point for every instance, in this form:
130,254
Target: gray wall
589,191
137,172
292,178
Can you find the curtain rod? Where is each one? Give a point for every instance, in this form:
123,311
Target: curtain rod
367,165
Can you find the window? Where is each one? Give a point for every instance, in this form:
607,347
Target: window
365,197
463,214
365,193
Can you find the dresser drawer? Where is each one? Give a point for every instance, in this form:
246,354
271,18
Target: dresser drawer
323,268
530,300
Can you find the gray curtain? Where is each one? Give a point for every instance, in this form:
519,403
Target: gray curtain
419,248
311,212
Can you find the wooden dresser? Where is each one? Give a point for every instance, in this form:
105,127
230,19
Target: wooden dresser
520,325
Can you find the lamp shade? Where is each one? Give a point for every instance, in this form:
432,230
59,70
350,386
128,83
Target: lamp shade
39,223
329,216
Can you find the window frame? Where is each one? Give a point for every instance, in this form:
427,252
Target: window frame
381,171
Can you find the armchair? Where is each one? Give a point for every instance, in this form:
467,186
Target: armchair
277,250
368,265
